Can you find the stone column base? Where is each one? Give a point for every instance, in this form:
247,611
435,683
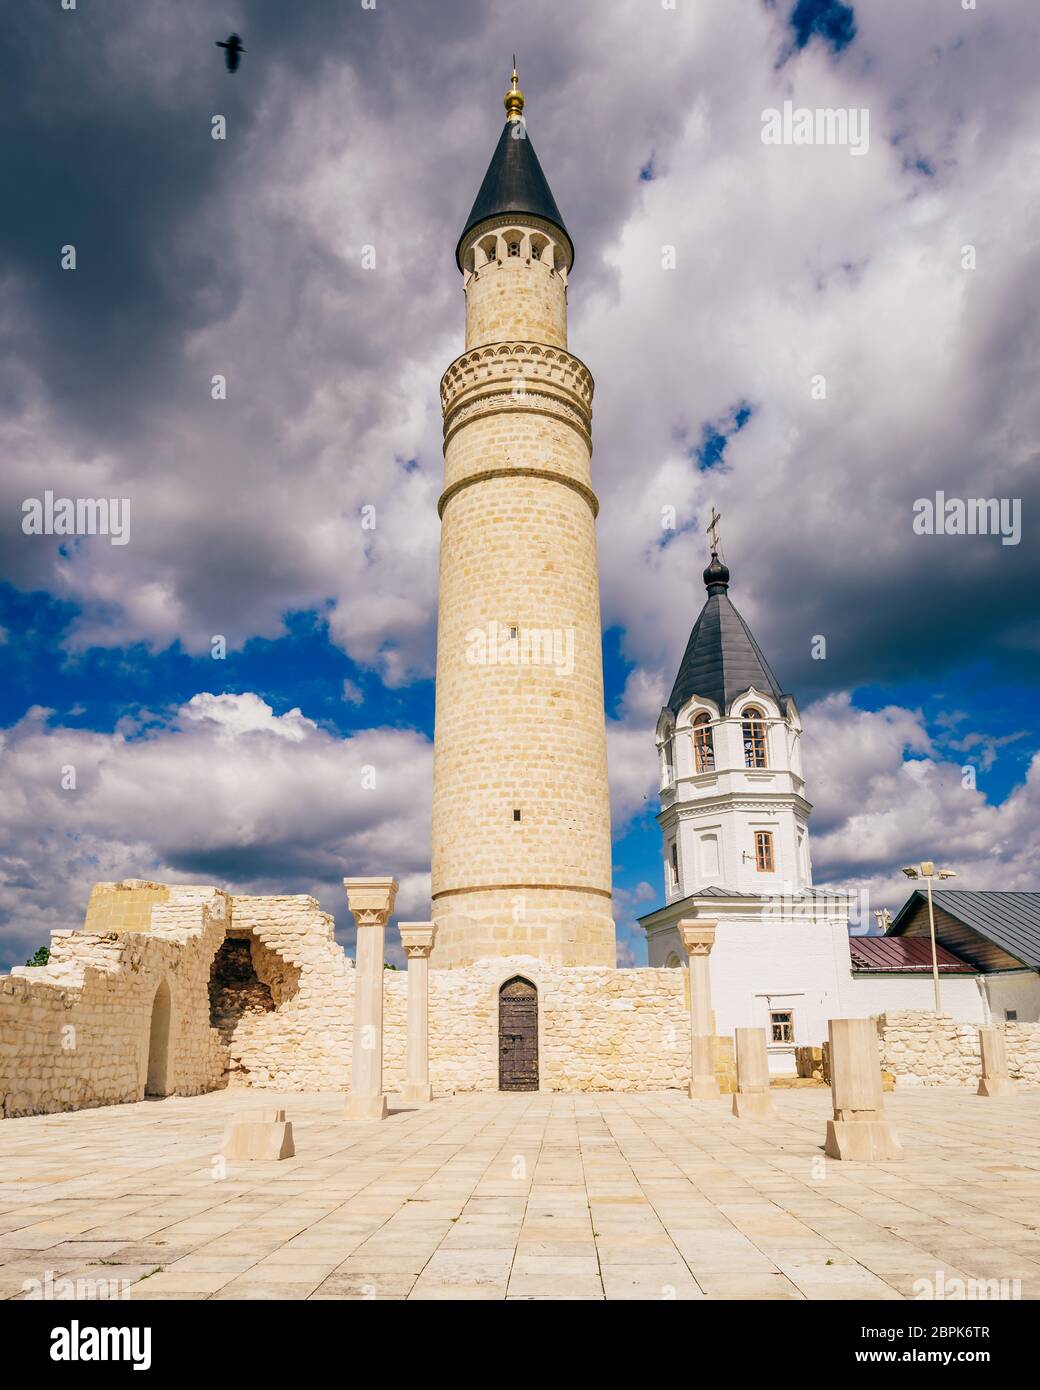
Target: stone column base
366,1108
997,1086
862,1140
263,1137
417,1095
704,1088
748,1105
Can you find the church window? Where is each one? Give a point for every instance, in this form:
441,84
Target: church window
703,744
764,851
781,1026
675,863
754,738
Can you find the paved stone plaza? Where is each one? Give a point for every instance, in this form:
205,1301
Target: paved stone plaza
523,1196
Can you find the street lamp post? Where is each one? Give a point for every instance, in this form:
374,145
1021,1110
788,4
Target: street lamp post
926,870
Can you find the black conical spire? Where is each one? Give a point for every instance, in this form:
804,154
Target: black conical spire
722,659
514,182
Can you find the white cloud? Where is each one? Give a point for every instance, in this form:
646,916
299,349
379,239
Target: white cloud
224,791
791,261
884,799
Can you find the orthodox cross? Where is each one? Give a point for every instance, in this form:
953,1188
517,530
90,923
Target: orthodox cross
713,530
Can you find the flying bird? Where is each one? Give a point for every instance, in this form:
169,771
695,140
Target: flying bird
233,51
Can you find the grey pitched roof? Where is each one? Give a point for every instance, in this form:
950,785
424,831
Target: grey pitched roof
722,660
514,182
714,891
1010,920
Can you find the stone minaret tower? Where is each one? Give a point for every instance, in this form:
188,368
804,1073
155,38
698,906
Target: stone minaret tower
521,812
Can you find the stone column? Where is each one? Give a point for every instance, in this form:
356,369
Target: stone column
371,900
752,1100
697,939
859,1129
995,1080
417,940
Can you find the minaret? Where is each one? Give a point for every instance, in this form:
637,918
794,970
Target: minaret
521,811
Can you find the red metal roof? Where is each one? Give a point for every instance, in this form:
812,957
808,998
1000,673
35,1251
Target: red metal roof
904,953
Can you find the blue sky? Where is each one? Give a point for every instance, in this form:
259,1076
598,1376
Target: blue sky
244,258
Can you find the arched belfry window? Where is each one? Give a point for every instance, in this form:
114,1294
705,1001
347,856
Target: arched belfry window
754,738
703,744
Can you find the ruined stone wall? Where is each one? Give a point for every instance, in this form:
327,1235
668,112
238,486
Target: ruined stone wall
599,1029
262,996
304,1042
922,1050
125,906
77,1032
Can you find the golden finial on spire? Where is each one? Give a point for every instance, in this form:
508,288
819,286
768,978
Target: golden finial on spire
514,98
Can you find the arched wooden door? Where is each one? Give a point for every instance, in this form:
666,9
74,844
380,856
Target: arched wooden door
518,1036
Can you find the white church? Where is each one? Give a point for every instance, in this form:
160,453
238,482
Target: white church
735,825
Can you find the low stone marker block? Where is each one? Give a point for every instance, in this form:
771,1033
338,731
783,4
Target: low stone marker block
859,1129
995,1080
751,1100
262,1136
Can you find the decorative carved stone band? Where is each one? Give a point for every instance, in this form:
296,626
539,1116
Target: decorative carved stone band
550,473
485,379
511,887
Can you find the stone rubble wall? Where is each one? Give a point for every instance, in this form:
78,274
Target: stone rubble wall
920,1049
600,1029
305,1043
126,906
75,1032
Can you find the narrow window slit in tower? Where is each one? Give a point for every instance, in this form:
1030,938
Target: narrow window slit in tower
516,815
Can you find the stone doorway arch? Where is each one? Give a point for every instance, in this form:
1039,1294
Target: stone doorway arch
157,1081
518,1035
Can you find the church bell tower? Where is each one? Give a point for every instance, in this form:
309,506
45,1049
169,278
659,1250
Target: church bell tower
521,811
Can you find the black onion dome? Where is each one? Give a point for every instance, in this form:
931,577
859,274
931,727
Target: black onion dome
716,575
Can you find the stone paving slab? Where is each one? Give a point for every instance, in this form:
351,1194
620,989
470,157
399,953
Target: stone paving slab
513,1196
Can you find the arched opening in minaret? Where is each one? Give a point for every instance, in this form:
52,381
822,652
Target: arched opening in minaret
518,1035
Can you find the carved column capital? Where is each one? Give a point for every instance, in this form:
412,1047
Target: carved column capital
697,936
417,938
371,900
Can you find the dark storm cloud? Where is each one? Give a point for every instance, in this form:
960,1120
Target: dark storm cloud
198,257
350,127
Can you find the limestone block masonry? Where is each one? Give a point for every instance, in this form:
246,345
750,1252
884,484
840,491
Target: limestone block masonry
116,1013
521,812
87,1029
920,1049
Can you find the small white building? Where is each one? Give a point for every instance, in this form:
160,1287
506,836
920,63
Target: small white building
735,825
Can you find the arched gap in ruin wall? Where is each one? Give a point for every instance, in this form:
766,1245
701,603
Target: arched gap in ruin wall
248,981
